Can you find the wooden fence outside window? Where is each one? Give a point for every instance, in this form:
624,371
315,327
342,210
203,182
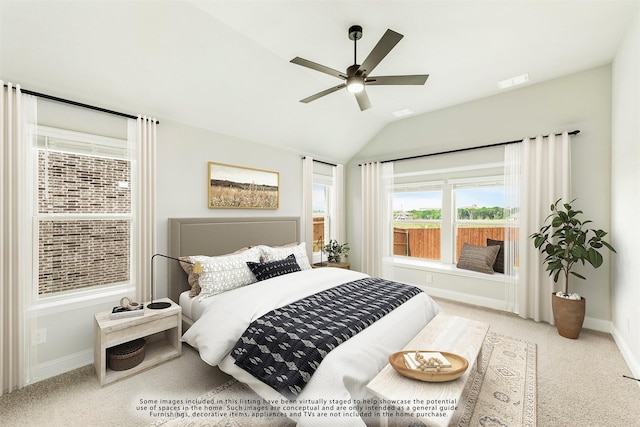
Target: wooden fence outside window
423,242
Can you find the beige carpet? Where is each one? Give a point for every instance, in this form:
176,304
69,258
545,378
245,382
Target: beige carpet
258,412
570,390
501,394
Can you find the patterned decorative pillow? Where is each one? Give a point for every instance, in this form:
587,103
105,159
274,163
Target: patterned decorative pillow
221,273
276,254
478,258
498,266
193,278
267,270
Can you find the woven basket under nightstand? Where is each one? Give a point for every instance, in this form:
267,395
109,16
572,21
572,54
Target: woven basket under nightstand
126,356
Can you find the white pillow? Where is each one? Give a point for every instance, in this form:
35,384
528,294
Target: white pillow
223,273
276,254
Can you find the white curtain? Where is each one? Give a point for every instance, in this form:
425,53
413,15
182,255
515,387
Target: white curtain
377,219
307,204
538,174
142,136
18,121
337,205
512,184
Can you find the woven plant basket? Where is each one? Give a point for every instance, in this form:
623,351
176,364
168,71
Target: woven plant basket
568,315
126,356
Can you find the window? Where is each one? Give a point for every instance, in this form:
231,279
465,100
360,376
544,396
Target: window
479,212
433,219
323,202
83,212
322,196
417,214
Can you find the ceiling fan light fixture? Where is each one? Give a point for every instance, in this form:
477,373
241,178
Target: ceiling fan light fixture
359,75
355,84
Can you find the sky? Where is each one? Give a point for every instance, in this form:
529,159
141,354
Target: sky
318,198
417,201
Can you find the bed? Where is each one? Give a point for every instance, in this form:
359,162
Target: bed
215,325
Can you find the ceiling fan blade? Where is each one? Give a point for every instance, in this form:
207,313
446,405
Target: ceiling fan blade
310,64
417,79
384,46
323,93
363,100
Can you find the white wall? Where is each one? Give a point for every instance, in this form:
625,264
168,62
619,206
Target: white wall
625,191
579,101
182,161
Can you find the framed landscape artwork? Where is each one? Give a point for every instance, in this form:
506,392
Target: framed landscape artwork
238,187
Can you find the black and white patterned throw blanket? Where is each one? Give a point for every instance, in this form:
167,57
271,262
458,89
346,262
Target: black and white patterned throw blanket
284,347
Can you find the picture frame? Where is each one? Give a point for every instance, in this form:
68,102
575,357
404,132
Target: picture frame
238,187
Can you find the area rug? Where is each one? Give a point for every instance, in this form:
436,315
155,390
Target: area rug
500,395
505,392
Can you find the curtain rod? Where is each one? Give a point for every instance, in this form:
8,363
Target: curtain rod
574,132
320,161
77,104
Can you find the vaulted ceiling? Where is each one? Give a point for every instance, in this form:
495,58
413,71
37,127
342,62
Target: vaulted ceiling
224,65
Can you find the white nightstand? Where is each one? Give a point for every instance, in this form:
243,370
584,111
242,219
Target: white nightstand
162,330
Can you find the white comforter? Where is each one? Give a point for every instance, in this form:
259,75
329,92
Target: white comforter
344,373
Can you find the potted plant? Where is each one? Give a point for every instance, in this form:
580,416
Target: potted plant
566,240
335,251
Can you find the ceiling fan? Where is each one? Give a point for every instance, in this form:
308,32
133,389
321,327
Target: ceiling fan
358,75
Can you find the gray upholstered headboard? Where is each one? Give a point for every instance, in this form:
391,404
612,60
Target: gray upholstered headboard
219,236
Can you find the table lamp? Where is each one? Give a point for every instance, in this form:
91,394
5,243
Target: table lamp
197,268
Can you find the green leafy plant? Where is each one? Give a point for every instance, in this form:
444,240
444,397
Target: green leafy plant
335,251
566,241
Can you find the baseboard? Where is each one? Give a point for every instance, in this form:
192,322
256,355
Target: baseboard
597,324
465,298
589,322
63,364
632,359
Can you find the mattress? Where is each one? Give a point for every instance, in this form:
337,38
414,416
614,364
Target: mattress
192,308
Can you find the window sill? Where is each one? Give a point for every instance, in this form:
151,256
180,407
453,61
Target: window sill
451,269
79,299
